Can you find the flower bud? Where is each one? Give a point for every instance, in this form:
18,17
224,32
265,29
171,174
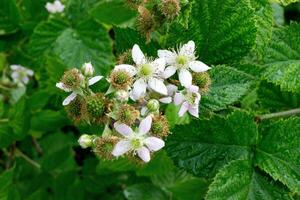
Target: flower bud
88,69
122,95
85,141
125,58
202,80
153,105
146,22
170,8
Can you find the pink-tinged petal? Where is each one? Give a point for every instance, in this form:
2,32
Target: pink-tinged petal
144,110
70,98
194,110
184,107
15,75
158,86
145,125
95,79
123,129
144,154
170,71
61,86
50,7
15,67
133,96
185,78
25,80
29,72
137,55
166,100
128,68
59,6
171,89
154,143
121,148
139,88
169,56
197,99
178,98
193,88
198,66
159,65
188,49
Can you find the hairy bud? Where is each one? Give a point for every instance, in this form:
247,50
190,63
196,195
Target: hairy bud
72,79
202,80
146,22
160,126
120,79
95,108
125,57
74,109
104,146
128,114
153,105
170,8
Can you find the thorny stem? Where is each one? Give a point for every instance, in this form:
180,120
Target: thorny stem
26,158
279,114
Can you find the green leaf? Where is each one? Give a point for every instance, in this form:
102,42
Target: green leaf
6,135
6,179
144,191
228,86
205,146
279,154
9,17
76,10
223,30
105,12
171,113
283,60
240,181
87,41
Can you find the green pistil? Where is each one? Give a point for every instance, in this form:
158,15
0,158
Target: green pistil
191,97
146,70
121,78
181,60
96,107
157,127
136,143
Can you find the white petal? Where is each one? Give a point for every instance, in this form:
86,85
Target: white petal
59,6
60,85
198,66
144,110
137,55
185,78
184,107
169,56
70,98
25,80
50,7
121,147
154,143
128,68
178,98
29,72
139,88
145,125
123,129
171,89
194,110
144,154
193,88
95,79
133,96
188,49
15,67
166,100
158,86
170,71
159,65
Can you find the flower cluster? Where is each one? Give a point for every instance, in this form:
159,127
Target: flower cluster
155,14
130,108
55,7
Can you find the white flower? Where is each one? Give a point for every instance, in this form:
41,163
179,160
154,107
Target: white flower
148,74
85,141
74,93
55,7
138,142
182,61
172,89
122,95
87,69
189,100
20,74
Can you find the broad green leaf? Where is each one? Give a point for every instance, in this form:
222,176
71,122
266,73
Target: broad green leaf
283,60
205,146
6,179
86,42
279,154
113,12
118,165
171,113
144,191
224,30
6,135
127,37
9,17
228,86
285,2
76,10
240,181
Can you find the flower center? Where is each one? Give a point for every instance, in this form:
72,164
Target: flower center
191,97
136,143
181,60
146,70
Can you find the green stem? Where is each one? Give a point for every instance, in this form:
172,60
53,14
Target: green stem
4,88
279,114
4,120
26,158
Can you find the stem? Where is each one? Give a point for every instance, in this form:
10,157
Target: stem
4,120
279,114
26,158
3,87
37,146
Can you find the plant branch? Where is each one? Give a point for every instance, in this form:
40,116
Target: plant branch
279,114
37,146
26,158
4,120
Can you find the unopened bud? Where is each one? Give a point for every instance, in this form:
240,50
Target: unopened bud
153,105
170,8
122,95
202,80
86,141
87,69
